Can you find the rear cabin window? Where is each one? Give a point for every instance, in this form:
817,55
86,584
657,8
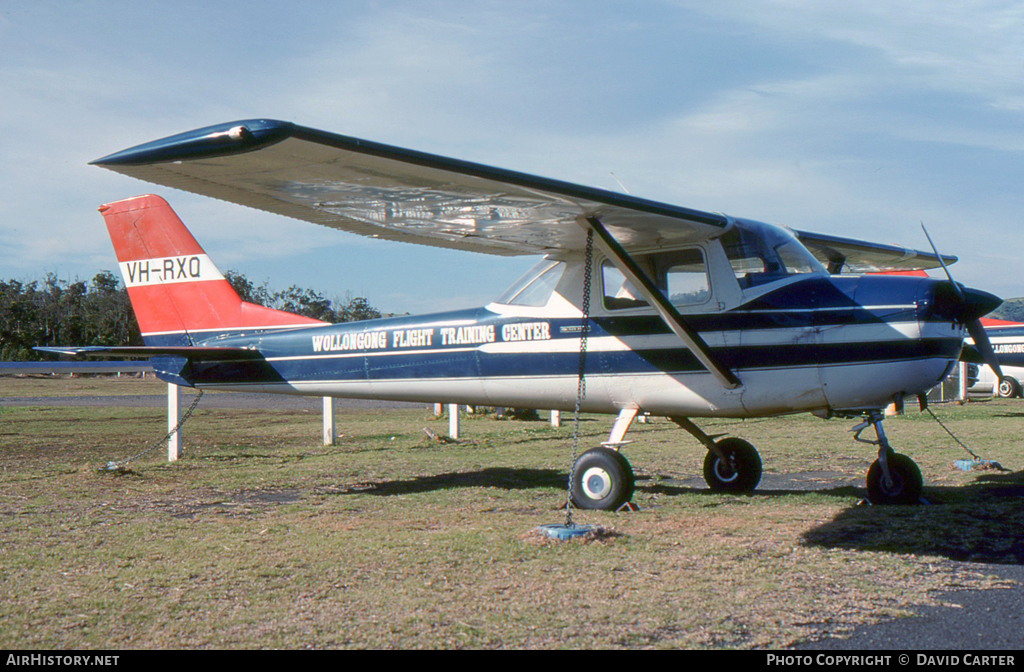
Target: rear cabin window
535,287
682,275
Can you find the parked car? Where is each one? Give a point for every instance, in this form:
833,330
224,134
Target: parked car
1009,386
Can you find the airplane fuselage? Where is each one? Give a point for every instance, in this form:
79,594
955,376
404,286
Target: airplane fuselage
817,343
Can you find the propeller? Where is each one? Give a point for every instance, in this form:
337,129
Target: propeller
968,309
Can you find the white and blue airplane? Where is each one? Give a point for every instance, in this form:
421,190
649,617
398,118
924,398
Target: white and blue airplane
680,313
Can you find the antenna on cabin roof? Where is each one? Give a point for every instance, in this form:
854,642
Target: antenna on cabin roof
619,181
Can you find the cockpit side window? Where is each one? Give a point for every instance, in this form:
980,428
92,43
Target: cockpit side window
682,275
536,286
765,254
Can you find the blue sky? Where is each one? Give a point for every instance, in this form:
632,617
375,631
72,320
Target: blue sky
857,118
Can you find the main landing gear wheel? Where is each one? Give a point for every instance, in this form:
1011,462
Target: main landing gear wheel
734,467
1008,388
602,479
906,484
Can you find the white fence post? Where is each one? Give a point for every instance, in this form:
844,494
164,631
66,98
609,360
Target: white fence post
173,418
328,421
453,421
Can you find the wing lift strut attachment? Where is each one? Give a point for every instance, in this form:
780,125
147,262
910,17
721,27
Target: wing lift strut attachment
655,297
602,478
731,465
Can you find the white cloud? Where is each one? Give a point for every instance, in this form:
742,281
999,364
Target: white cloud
964,47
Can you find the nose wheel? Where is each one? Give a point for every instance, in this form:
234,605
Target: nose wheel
892,478
903,486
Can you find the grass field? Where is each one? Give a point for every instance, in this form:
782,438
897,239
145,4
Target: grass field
262,537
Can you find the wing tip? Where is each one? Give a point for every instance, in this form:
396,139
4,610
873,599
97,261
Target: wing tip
234,137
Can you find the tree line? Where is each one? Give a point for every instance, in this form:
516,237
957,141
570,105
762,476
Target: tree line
55,312
1012,310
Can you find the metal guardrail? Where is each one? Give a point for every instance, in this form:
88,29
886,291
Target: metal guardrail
12,368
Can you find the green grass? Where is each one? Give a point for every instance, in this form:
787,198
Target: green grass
261,537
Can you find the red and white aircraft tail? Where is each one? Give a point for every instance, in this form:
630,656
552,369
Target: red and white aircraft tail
175,289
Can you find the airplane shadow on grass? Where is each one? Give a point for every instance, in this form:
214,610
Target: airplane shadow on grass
980,522
505,478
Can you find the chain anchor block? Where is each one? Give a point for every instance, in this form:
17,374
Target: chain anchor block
122,466
561,532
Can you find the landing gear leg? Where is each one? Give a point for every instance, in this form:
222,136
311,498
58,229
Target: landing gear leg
731,465
893,478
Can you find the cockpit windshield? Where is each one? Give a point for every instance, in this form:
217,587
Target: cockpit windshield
761,253
535,287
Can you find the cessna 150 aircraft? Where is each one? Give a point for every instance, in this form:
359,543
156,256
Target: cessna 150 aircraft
681,313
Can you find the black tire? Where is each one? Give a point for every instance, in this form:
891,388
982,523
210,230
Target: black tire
1008,388
906,481
739,472
602,479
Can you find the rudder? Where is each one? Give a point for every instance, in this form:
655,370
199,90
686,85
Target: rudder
178,294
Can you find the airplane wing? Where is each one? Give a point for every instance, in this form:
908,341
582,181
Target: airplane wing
858,256
392,193
388,192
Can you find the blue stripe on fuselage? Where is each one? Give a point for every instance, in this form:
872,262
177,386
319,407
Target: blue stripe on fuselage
448,345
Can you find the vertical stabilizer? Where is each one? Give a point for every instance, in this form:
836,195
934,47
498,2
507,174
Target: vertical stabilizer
178,295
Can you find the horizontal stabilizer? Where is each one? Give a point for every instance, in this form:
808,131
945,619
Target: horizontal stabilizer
191,352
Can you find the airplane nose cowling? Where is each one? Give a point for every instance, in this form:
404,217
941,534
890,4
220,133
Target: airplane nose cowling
964,306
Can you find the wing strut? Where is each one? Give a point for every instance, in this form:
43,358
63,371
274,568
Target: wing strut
656,298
